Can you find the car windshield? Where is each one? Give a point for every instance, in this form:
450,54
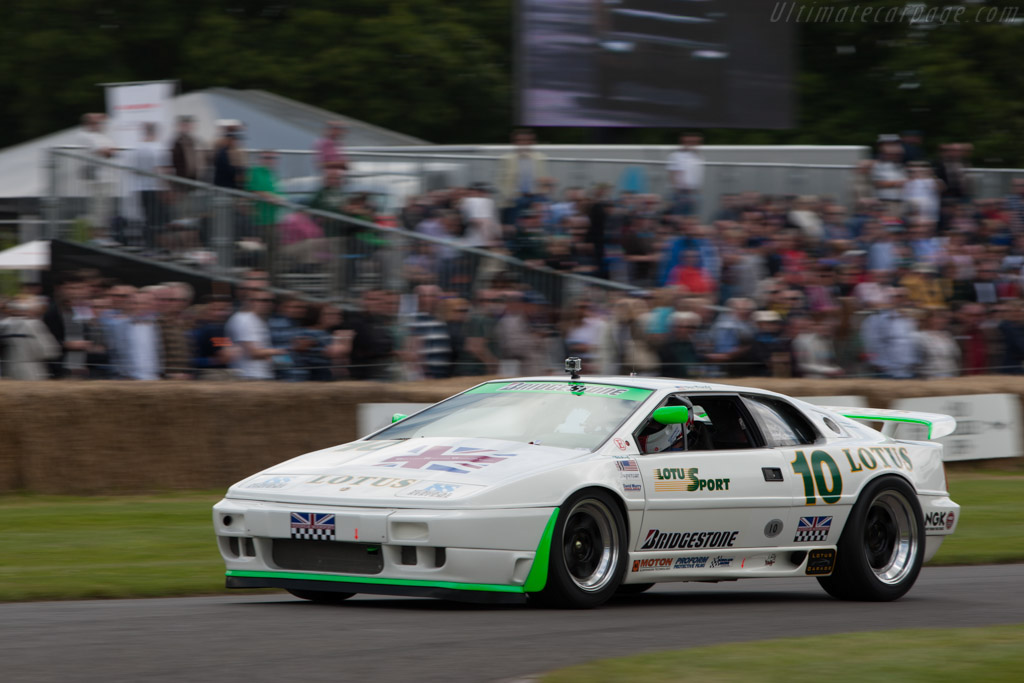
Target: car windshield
562,414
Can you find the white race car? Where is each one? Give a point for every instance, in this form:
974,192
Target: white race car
570,490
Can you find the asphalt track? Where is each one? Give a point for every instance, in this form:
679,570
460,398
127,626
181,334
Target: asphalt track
273,637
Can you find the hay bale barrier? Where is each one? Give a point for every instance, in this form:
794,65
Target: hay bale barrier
92,438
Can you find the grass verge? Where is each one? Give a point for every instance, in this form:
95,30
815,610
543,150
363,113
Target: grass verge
991,527
993,654
62,547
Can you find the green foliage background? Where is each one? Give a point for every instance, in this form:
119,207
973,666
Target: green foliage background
442,69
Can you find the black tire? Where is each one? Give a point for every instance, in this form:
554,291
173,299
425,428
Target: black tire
322,597
633,588
882,547
588,552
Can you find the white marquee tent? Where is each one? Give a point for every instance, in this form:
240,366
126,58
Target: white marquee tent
271,121
34,255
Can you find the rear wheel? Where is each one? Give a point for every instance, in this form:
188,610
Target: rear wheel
323,597
882,547
588,552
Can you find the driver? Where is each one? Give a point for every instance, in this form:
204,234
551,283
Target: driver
697,431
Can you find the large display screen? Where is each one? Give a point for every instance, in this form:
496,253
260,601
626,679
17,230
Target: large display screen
654,63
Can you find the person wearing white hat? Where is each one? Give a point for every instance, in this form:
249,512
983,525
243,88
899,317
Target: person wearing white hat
26,342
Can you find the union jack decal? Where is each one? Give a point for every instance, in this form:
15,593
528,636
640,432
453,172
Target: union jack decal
812,529
313,526
445,459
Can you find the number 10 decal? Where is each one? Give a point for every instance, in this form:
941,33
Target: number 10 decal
814,477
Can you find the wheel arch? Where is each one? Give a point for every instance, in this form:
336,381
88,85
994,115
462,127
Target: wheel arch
879,477
538,580
620,502
887,474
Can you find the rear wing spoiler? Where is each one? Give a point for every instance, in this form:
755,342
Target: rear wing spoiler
938,425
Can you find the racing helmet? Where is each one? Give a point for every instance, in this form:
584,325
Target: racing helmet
663,439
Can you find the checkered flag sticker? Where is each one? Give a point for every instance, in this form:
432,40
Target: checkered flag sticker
812,529
312,526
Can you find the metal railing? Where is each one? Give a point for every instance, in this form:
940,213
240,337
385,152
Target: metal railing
432,170
425,168
323,253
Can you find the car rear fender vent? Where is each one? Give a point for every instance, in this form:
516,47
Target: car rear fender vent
327,556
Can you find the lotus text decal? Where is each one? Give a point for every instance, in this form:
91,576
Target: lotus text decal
656,540
348,481
820,562
686,479
878,456
446,459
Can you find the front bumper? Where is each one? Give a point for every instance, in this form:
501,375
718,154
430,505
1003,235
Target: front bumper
478,555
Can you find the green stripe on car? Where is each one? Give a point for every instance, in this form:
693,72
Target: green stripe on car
564,387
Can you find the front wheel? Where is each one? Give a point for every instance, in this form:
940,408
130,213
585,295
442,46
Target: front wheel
882,547
588,552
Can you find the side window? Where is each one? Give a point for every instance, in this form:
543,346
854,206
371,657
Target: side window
783,425
721,423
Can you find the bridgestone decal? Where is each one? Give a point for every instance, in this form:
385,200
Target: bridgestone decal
658,540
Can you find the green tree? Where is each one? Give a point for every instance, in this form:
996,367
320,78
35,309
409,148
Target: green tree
442,69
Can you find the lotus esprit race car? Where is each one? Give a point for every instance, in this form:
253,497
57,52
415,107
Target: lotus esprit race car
568,491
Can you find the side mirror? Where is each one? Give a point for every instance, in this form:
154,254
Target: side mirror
398,417
672,415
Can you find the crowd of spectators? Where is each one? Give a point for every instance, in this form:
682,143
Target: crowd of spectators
172,219
915,277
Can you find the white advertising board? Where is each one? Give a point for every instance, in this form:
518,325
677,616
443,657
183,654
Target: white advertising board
372,416
987,425
132,104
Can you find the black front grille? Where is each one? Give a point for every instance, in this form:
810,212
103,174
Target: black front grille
328,556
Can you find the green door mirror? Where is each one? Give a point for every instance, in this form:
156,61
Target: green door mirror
398,417
672,415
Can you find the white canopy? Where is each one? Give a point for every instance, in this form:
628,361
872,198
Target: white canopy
271,121
34,255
